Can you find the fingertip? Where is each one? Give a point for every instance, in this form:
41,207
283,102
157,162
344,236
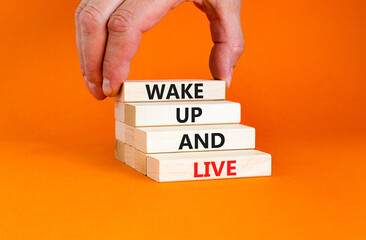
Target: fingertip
86,81
117,88
111,88
99,97
94,89
229,77
107,88
220,61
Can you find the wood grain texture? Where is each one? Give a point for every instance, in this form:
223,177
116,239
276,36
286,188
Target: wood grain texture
178,113
119,150
131,156
187,138
171,90
140,159
119,111
168,167
186,166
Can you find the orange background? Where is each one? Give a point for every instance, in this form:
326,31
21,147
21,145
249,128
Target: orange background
301,83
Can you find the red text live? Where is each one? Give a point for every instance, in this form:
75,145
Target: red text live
217,170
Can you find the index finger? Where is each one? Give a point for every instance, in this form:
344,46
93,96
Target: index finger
125,28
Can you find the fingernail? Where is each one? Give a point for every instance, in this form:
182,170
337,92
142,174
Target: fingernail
229,77
92,86
86,81
107,89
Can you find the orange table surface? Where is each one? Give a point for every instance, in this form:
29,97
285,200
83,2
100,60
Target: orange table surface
79,191
301,83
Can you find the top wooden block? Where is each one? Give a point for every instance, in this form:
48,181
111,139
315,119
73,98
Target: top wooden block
171,90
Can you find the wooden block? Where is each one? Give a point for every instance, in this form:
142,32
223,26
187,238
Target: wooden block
169,167
125,133
187,138
131,156
140,159
178,113
119,150
119,111
171,90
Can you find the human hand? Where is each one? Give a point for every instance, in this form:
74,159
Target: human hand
108,33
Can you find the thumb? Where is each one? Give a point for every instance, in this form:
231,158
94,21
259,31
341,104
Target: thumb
226,34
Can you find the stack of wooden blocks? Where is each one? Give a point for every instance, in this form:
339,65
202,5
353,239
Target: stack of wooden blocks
179,130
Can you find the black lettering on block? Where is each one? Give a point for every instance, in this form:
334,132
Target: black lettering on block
185,91
217,145
155,90
185,142
198,89
172,92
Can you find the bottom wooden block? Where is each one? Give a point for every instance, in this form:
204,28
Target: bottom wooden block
186,166
168,167
131,156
